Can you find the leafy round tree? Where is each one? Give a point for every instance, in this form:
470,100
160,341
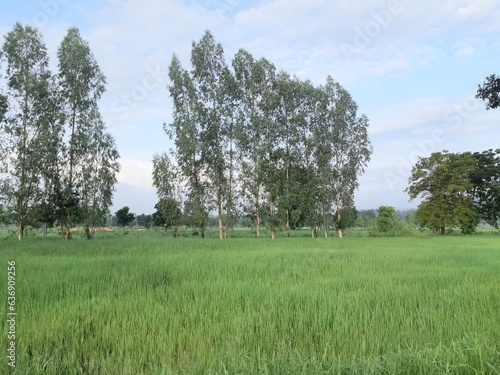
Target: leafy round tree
124,217
486,181
387,222
443,181
169,212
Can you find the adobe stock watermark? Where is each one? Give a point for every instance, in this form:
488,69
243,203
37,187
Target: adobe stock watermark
453,119
11,313
365,35
155,78
48,9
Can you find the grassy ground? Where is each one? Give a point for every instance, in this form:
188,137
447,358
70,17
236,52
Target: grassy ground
145,303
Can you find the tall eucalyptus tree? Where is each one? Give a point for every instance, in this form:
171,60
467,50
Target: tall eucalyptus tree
305,189
286,92
28,124
212,82
299,148
343,149
255,80
82,84
185,130
100,167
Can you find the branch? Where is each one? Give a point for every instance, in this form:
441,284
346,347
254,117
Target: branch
10,235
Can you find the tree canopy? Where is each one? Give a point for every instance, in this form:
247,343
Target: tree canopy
60,161
276,148
457,190
124,216
489,92
486,185
28,124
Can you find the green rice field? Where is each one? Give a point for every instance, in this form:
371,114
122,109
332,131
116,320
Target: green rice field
146,303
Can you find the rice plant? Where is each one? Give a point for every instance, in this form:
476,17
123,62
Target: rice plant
139,304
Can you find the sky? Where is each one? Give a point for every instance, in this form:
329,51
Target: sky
413,67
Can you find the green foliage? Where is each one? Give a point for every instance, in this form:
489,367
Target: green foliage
166,180
348,217
387,222
99,170
255,133
165,176
169,214
124,217
145,221
185,131
29,125
62,162
486,181
82,84
6,217
212,83
342,146
443,180
146,304
4,105
366,218
300,147
490,92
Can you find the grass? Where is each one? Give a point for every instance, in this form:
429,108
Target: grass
145,303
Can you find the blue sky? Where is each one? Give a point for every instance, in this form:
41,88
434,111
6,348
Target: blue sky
412,66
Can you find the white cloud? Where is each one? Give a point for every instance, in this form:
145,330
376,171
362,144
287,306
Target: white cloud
136,173
138,200
476,10
409,115
465,51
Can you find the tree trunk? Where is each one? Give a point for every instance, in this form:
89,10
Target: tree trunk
71,161
324,214
219,209
339,212
20,229
287,222
68,226
287,196
221,228
20,202
442,231
257,225
89,231
229,204
271,210
228,224
257,216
